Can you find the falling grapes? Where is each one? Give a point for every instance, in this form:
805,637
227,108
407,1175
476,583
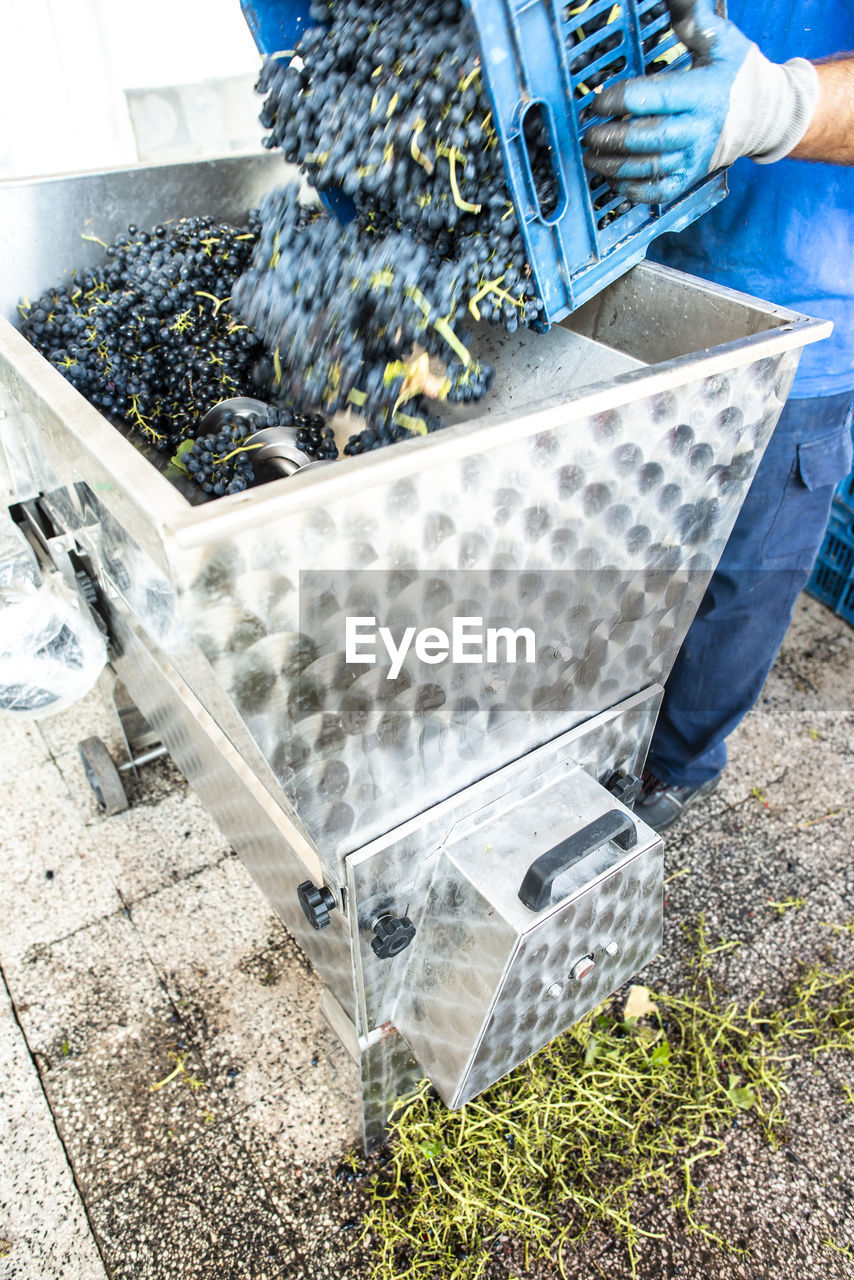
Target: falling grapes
341,312
395,116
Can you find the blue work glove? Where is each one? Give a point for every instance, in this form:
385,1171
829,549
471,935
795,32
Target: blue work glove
675,127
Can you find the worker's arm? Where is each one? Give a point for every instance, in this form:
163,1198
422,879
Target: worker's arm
830,135
672,129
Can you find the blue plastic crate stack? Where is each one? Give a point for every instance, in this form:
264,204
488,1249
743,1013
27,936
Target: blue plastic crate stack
832,580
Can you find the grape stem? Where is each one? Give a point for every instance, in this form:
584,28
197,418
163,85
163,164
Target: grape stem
471,77
416,425
491,286
441,325
445,331
416,152
244,448
455,190
219,302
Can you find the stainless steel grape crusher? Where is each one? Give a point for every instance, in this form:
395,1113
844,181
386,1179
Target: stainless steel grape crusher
454,846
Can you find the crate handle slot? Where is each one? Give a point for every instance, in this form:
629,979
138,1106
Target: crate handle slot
536,119
536,888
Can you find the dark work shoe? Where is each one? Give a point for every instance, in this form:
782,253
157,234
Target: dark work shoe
661,805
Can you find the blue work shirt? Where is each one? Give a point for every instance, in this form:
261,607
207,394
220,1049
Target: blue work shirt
786,231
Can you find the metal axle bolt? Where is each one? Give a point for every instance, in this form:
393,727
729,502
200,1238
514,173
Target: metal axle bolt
581,968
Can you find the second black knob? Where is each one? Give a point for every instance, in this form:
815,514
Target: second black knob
392,934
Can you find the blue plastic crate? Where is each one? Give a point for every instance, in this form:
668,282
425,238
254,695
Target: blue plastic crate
555,64
845,493
832,579
845,608
583,244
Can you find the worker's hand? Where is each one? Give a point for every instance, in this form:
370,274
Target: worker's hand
675,127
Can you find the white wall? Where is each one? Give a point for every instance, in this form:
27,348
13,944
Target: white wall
65,66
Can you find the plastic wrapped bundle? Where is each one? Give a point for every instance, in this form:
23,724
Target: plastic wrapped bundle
51,653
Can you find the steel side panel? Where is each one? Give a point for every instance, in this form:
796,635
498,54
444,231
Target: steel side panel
625,908
235,800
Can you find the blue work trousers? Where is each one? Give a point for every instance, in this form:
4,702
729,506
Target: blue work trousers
748,605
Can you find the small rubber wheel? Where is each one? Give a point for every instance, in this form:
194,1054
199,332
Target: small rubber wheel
103,776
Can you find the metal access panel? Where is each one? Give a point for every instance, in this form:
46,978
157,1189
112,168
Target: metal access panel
492,978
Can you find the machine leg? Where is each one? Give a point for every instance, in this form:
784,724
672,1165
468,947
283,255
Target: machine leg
388,1071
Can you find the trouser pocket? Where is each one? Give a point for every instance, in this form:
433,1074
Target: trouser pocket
818,465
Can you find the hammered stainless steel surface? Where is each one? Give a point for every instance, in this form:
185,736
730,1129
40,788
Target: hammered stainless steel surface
487,981
624,907
234,798
382,876
599,533
127,574
387,1069
388,1072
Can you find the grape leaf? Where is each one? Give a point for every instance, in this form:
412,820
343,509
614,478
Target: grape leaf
184,447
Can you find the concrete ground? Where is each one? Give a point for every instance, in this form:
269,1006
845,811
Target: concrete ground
172,1106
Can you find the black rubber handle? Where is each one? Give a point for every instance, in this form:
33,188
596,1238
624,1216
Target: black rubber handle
536,888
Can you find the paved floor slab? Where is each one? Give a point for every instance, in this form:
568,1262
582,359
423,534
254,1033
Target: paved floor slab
104,1034
201,1213
43,1227
246,995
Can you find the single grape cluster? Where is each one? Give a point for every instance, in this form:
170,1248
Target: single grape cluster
378,437
222,463
314,436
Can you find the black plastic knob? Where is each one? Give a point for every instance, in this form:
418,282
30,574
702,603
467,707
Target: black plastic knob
625,787
391,936
316,903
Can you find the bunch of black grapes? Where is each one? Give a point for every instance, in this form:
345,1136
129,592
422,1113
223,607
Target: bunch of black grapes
149,338
392,110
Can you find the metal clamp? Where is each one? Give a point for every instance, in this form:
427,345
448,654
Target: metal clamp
536,888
